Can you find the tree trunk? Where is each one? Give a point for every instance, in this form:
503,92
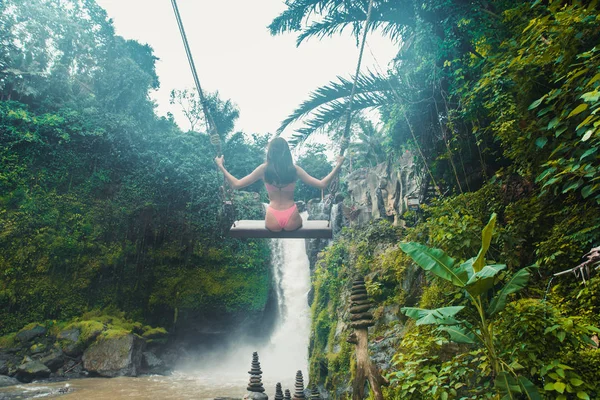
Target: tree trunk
365,369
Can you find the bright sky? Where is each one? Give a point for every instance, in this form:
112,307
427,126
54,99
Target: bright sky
266,76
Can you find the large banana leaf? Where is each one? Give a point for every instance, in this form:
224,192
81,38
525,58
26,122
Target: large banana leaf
529,389
438,316
482,281
486,239
436,261
458,334
507,385
517,282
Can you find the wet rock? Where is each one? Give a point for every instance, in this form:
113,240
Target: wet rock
7,381
255,396
71,369
71,335
7,361
151,364
37,348
70,343
53,360
32,370
26,335
115,356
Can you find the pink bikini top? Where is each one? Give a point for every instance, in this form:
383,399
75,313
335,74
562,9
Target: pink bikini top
287,188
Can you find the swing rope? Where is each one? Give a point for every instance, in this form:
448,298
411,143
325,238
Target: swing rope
334,186
211,127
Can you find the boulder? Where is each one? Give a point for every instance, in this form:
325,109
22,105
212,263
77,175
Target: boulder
151,364
26,335
53,360
31,370
114,356
7,381
70,343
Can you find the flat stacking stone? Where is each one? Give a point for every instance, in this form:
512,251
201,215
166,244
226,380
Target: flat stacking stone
315,395
361,303
287,396
255,385
299,387
278,392
358,317
360,309
362,324
358,297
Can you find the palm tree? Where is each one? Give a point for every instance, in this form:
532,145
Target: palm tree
392,17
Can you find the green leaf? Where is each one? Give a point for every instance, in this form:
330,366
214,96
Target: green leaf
483,280
583,396
579,109
546,172
537,102
458,334
529,389
588,152
436,261
486,239
588,190
572,186
517,282
541,142
587,135
438,316
507,385
576,382
591,97
594,79
560,387
553,122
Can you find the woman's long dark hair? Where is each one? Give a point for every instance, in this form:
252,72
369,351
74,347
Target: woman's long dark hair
280,166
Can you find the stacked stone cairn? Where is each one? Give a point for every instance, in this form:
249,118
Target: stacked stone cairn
278,392
255,387
360,317
315,395
288,395
299,392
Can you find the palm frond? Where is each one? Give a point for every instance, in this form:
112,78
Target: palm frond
291,19
370,87
338,111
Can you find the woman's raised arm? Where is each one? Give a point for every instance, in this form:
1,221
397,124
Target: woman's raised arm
248,180
319,183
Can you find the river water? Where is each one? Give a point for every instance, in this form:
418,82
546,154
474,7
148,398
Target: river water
223,373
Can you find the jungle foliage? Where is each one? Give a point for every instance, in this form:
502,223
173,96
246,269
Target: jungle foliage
103,203
498,101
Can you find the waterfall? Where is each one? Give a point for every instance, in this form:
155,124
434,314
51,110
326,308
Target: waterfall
287,351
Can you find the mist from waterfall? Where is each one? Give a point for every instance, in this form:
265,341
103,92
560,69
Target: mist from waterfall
286,351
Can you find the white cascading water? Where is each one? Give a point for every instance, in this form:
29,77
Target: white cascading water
287,351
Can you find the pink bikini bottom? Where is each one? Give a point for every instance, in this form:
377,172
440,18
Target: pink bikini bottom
283,216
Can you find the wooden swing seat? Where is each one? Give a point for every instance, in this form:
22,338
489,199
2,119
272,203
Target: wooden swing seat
255,229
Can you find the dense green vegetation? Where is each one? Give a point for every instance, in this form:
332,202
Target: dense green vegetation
102,203
498,101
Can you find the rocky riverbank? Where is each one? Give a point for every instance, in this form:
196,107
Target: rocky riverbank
103,346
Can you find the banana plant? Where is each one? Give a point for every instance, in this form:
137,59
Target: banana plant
480,283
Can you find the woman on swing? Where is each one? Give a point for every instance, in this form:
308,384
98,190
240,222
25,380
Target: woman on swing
280,175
